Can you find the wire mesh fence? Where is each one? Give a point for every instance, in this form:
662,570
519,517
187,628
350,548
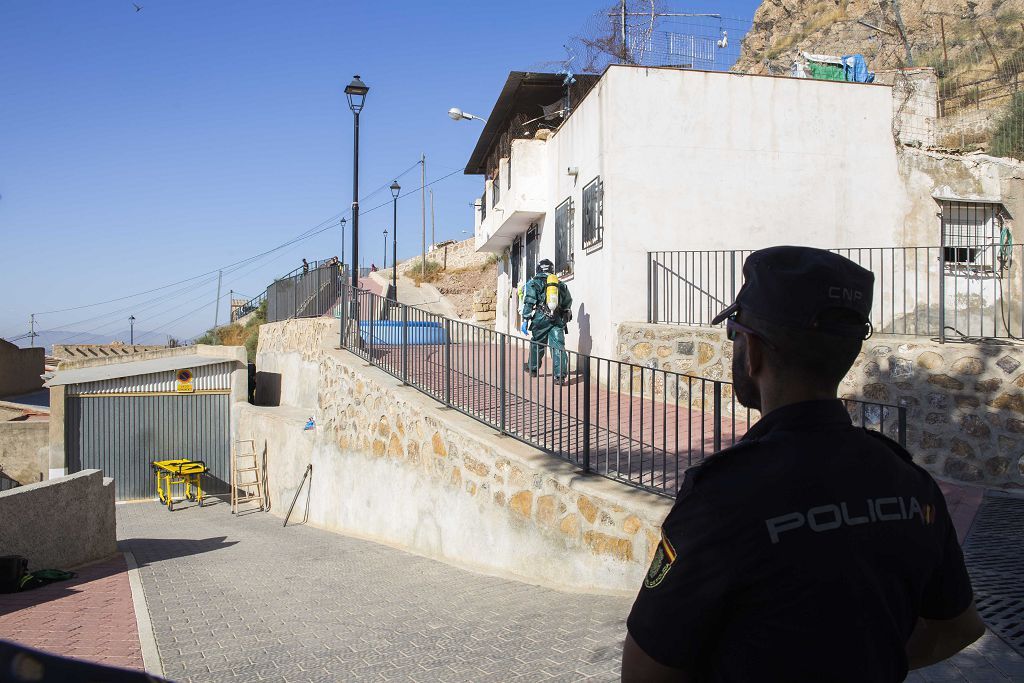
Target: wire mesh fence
637,425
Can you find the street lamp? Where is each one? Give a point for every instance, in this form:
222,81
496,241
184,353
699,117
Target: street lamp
343,221
356,94
393,293
131,326
457,114
385,266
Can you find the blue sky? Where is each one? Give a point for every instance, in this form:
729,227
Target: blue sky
138,149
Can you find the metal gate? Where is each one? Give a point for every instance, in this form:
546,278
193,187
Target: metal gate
122,435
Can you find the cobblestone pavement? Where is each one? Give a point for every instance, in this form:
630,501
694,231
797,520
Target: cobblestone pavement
245,600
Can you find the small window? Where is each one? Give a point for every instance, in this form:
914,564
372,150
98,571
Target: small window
971,233
563,237
516,258
508,172
532,248
496,190
483,205
593,213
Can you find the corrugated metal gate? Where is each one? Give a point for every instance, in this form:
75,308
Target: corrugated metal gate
122,435
120,421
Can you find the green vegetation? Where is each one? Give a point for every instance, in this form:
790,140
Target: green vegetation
418,275
238,335
1008,137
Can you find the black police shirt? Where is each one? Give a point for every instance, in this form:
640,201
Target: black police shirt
805,552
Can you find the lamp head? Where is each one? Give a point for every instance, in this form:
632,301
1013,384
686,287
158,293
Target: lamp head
395,188
356,93
343,222
455,114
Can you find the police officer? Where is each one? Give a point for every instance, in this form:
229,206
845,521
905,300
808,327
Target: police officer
811,550
547,324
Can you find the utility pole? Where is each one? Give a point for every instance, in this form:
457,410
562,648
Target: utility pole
131,327
625,49
433,237
216,304
231,305
423,211
32,330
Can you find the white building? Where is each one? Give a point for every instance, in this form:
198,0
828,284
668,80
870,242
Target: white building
654,159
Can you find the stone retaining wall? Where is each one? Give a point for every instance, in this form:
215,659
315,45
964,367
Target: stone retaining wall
965,402
391,464
24,450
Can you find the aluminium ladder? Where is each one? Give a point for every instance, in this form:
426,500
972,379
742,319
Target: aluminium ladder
245,476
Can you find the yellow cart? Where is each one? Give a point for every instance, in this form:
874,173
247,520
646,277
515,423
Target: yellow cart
187,474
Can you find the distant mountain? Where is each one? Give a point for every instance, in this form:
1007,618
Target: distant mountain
47,338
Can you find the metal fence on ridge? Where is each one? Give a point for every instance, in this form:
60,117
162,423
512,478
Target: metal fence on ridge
638,425
948,292
306,293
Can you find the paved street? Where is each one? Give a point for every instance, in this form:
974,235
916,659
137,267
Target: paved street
245,600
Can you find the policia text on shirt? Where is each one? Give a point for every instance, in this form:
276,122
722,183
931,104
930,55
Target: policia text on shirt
811,550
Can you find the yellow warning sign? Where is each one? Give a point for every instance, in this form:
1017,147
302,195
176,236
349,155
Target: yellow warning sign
184,381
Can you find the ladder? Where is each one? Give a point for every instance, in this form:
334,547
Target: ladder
245,476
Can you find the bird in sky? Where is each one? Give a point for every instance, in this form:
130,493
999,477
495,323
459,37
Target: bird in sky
138,8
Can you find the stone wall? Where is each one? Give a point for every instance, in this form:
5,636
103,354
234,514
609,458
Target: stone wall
965,402
62,523
485,305
393,465
24,450
451,255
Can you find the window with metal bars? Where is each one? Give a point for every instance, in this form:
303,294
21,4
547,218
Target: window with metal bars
516,259
532,249
496,190
593,213
563,237
483,205
972,233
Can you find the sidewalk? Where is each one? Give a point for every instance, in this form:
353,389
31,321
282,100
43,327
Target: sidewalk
90,617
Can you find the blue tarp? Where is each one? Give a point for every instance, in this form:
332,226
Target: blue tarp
855,69
389,332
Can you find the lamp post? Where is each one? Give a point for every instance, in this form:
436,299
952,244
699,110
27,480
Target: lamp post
393,290
131,326
385,266
356,94
456,114
342,263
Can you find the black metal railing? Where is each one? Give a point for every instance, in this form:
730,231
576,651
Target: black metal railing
943,291
248,307
638,425
305,294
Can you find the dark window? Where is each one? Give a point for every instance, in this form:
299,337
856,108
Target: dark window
496,190
563,237
593,213
508,171
483,205
971,233
532,247
516,257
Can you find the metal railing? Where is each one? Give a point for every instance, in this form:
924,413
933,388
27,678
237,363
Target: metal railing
944,291
305,294
248,307
638,425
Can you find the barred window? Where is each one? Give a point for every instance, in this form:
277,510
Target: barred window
532,249
971,232
593,213
516,257
563,237
496,189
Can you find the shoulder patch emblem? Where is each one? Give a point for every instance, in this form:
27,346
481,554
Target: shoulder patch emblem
664,558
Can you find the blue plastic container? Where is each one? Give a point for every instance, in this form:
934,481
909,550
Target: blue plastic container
389,332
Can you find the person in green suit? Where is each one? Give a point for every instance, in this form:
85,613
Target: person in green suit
547,311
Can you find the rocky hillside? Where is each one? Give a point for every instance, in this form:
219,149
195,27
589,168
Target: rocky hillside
889,33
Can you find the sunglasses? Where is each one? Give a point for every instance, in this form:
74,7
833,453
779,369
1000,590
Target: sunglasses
732,327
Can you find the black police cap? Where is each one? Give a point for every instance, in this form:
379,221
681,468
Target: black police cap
793,286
